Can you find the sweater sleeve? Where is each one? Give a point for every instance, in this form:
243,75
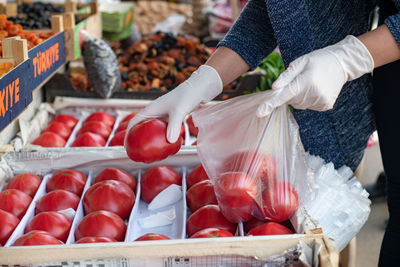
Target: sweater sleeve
393,22
252,36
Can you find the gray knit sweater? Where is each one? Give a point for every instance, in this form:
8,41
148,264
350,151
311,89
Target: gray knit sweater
339,135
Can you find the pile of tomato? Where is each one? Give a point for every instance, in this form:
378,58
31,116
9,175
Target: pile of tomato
56,134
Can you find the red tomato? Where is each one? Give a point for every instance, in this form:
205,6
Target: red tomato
192,129
49,139
129,117
15,202
280,201
211,232
109,195
270,228
209,216
70,180
118,175
118,139
255,164
101,223
197,175
95,239
59,128
96,127
89,139
151,236
236,193
147,142
201,194
53,222
37,238
57,200
103,117
122,126
26,182
252,223
8,222
156,179
68,120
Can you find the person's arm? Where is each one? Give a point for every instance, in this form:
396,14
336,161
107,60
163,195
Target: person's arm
382,45
228,64
314,81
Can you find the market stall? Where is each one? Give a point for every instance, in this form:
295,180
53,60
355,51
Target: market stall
71,192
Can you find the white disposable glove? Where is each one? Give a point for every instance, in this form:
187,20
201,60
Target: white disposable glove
314,81
203,85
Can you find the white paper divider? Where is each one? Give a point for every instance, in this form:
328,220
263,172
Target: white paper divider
184,190
133,216
81,117
173,231
30,212
79,214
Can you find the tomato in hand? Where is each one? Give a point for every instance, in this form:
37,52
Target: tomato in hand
236,193
15,202
26,182
88,139
57,200
49,139
279,201
270,228
67,119
8,223
147,142
102,117
101,223
201,194
117,175
195,176
209,216
37,238
118,139
53,222
151,236
59,128
211,232
96,127
95,239
70,180
257,165
156,179
109,195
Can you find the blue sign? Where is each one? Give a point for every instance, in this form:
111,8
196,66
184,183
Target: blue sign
15,93
46,58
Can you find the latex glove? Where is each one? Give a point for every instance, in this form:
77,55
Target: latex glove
314,81
203,85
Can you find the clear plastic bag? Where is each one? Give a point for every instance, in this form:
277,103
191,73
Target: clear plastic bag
257,165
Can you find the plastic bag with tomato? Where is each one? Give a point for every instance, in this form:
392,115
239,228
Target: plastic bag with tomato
257,165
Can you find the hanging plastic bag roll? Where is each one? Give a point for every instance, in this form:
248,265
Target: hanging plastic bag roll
257,165
101,65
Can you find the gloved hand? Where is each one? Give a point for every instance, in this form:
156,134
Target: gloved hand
203,85
314,81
